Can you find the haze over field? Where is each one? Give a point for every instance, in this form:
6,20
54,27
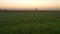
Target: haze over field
29,4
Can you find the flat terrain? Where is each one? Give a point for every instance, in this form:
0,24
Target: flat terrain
38,22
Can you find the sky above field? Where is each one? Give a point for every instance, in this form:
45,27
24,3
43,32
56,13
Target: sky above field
26,4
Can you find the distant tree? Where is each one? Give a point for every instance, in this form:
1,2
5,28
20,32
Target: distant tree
32,9
0,9
36,9
4,10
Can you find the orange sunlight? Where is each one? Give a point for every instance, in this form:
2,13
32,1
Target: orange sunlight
30,4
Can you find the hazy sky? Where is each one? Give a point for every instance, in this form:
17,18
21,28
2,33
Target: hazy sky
42,4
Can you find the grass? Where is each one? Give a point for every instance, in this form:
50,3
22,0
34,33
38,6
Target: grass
46,22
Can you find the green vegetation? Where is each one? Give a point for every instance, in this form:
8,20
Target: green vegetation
43,22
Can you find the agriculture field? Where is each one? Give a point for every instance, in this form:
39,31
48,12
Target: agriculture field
41,22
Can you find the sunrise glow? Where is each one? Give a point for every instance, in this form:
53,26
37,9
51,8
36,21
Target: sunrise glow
30,4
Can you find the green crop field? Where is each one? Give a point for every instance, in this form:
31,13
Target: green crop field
38,22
